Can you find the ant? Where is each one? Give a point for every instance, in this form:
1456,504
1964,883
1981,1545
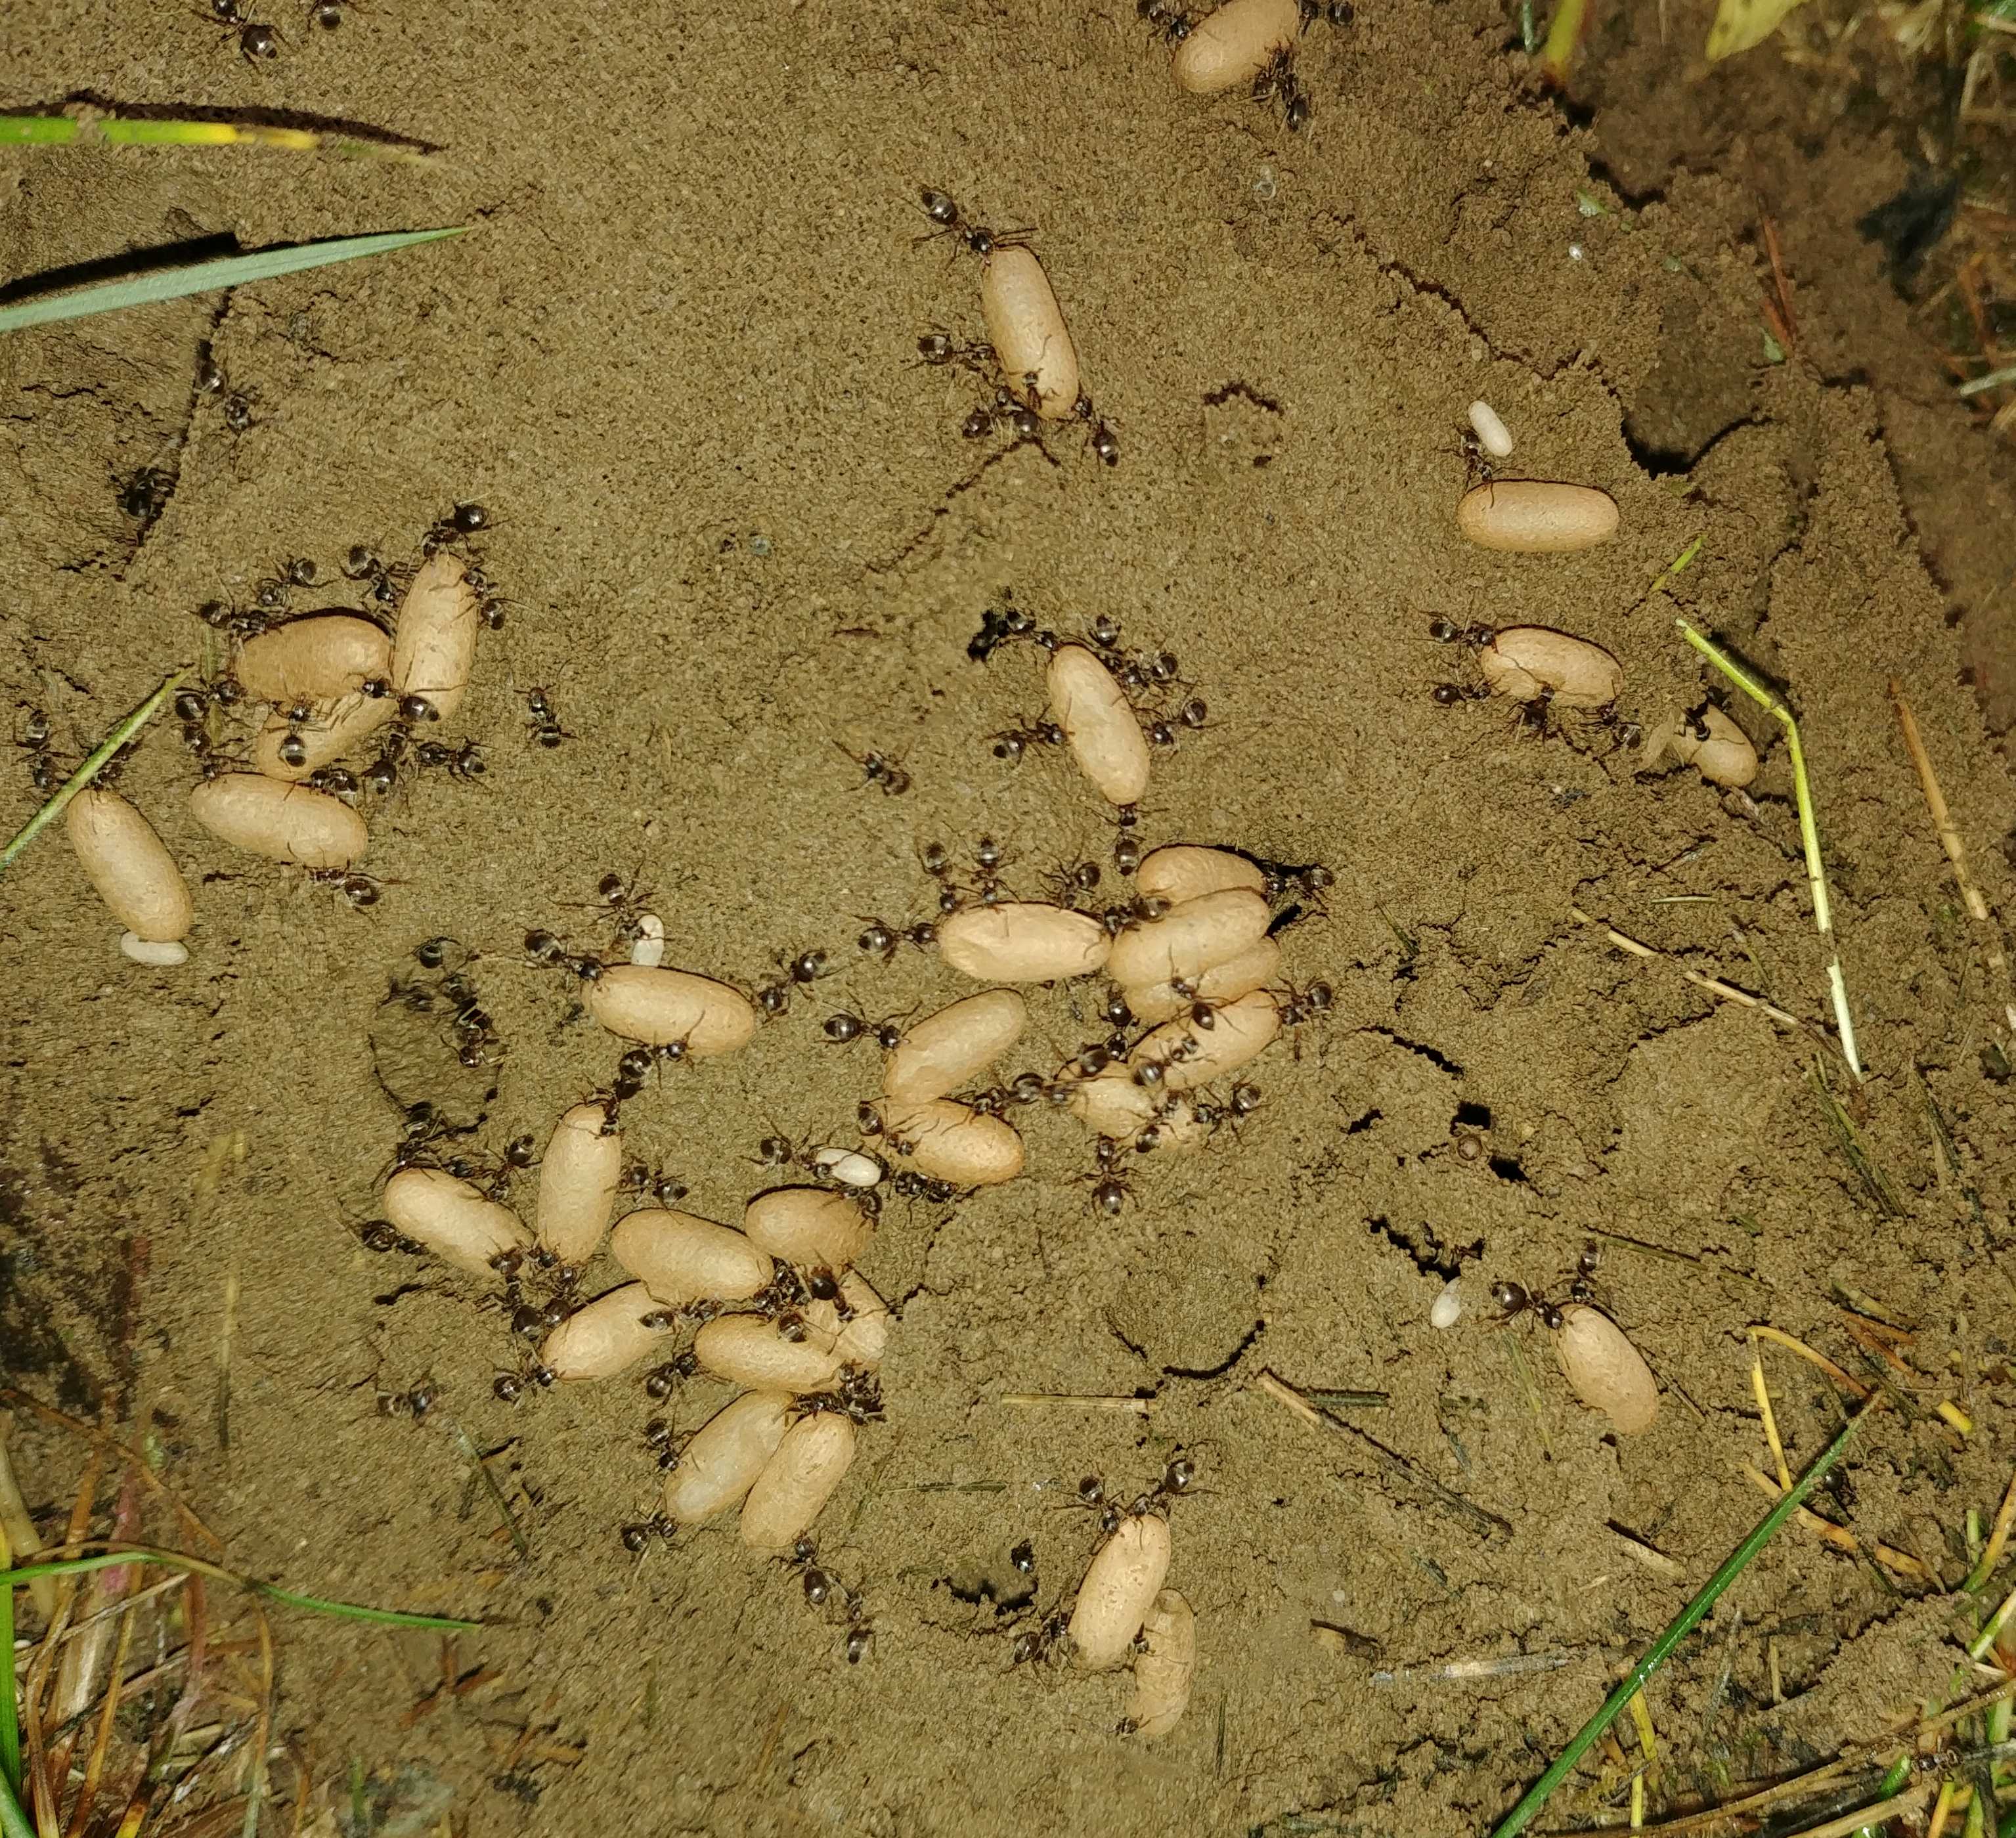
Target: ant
1049,1640
1006,407
254,41
1111,1192
360,890
464,762
363,564
952,222
237,405
939,349
1277,81
464,520
1099,436
327,14
1513,1299
1011,743
1172,24
879,769
999,625
35,736
844,1029
1071,880
143,494
883,938
544,725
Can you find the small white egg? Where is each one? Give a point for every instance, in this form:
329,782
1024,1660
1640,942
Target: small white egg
848,1167
158,954
1448,1305
1492,435
650,949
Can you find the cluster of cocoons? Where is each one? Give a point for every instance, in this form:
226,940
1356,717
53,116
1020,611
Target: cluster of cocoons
780,1311
350,676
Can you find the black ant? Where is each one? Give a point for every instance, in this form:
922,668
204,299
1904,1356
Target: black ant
1513,1299
254,41
941,349
464,761
328,14
998,625
1005,408
362,564
36,732
546,729
1099,435
1070,881
464,520
879,769
952,222
1172,24
360,890
143,493
237,405
1011,743
844,1029
1278,82
883,938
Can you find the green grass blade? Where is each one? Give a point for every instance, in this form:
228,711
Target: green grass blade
37,130
1681,1626
10,1724
89,771
13,1821
393,1617
203,277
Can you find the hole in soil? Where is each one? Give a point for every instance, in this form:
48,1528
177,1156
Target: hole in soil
1472,1116
1506,1168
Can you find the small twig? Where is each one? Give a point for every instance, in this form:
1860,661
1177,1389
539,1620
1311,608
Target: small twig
1763,1392
1087,1400
1727,992
1809,834
92,766
522,1544
1485,1523
1998,1538
1839,1536
1474,1671
1950,840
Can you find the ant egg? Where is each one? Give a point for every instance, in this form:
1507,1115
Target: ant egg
1022,941
1537,517
1178,872
1448,1309
1190,939
1604,1370
282,750
1120,1585
453,1219
1109,1103
1162,1673
315,658
797,1482
649,951
948,1140
1234,45
1525,662
1492,435
661,1007
950,1049
1099,723
1240,1032
1026,327
807,1226
1253,969
284,822
577,1182
607,1336
1724,757
849,1166
683,1259
752,1350
434,646
157,954
864,1336
129,866
721,1463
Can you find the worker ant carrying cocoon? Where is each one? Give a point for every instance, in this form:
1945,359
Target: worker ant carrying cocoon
1548,675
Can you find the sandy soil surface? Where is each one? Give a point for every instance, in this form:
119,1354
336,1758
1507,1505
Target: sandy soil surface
741,537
